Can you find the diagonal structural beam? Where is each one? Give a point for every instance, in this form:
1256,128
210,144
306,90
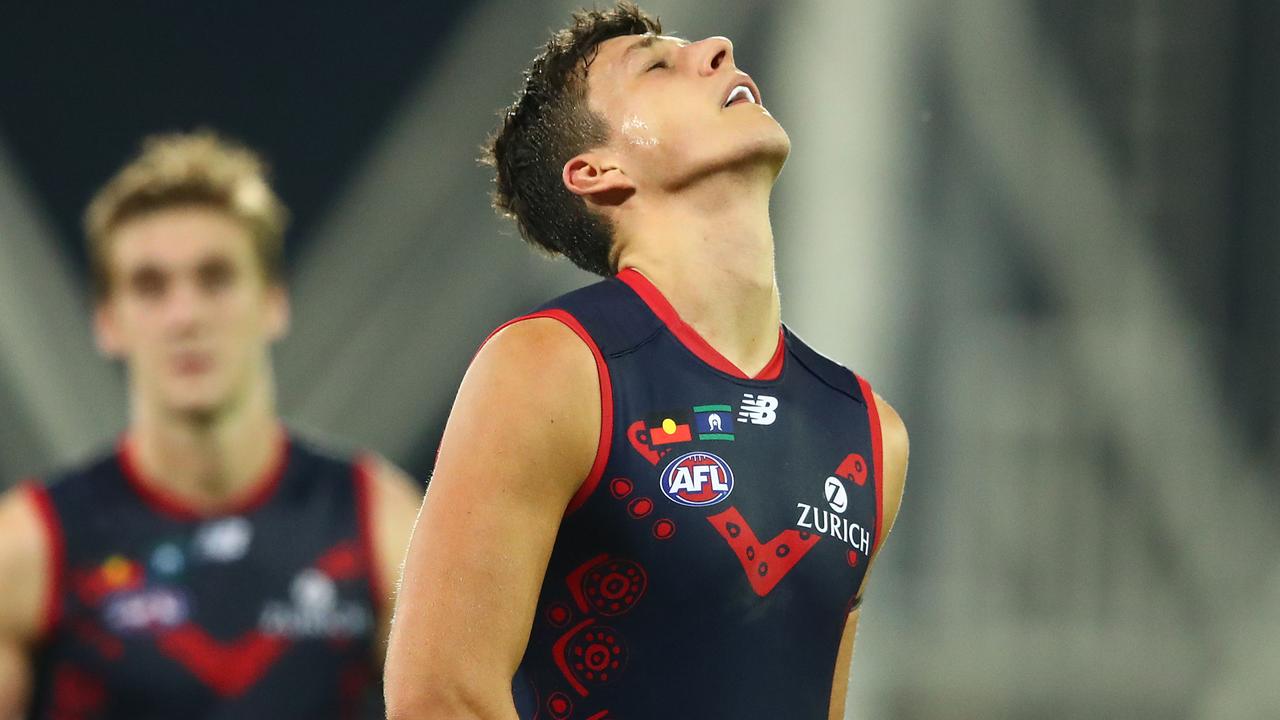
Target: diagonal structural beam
1144,357
58,398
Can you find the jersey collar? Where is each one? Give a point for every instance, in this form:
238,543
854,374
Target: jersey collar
690,338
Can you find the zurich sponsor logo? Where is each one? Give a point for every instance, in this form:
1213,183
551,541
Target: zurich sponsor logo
316,610
697,479
837,496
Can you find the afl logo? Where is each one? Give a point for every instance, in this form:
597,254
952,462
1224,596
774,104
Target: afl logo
837,497
697,479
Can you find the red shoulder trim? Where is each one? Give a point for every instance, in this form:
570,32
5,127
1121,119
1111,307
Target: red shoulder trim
168,504
606,400
877,455
52,605
690,338
378,585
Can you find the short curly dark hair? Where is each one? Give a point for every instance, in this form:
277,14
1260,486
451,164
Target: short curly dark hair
548,124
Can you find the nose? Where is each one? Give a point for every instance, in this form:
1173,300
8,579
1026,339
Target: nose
714,54
183,308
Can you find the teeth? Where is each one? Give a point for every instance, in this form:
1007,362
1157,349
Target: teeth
742,92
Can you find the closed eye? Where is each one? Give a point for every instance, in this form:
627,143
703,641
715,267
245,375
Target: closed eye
659,64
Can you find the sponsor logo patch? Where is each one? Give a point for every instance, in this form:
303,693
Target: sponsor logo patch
225,540
715,422
758,409
837,496
316,610
142,610
697,479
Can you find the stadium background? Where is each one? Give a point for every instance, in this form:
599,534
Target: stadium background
1046,230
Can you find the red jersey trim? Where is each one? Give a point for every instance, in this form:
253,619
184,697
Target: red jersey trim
877,455
606,400
690,338
168,504
378,585
51,611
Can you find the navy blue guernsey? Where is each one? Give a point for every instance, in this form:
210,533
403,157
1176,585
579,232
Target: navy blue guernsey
708,564
268,610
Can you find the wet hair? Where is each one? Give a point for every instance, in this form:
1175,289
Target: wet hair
548,124
197,169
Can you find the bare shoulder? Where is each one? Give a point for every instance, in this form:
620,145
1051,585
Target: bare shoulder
537,345
897,448
532,397
395,493
24,563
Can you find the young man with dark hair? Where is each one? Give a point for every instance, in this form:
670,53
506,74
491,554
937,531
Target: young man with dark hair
652,499
213,565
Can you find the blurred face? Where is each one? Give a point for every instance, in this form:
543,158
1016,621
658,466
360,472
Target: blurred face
677,110
189,310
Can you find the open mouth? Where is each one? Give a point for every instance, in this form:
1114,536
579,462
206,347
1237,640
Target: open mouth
740,94
187,364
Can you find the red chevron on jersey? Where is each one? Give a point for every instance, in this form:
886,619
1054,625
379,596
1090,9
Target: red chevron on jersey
764,563
77,693
342,562
229,669
853,468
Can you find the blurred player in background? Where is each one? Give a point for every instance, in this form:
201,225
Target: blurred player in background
652,500
213,565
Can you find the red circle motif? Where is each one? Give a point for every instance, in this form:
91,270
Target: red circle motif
640,507
621,487
663,529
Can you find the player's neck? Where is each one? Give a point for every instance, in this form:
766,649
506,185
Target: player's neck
710,251
208,461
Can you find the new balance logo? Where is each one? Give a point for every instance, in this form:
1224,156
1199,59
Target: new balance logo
758,409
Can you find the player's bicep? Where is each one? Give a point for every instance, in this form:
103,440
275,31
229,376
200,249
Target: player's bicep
520,439
895,448
15,679
844,659
394,503
24,572
896,445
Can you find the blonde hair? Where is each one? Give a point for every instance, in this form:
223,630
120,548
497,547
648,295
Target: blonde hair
185,169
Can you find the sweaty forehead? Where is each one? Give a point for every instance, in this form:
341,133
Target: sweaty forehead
614,53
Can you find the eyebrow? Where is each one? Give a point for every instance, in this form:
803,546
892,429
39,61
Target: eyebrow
645,42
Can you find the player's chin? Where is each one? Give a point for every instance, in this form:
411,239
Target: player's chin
776,147
198,400
767,151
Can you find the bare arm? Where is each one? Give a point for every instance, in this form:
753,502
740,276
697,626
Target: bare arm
893,435
522,436
24,562
394,501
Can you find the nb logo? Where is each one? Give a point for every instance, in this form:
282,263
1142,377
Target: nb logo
758,409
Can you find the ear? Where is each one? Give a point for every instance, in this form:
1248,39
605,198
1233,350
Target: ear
106,332
278,311
596,178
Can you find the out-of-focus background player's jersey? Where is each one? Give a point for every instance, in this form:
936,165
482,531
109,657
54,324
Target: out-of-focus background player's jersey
708,565
266,611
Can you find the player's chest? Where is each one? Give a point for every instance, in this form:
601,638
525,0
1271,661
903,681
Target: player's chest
225,588
726,482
